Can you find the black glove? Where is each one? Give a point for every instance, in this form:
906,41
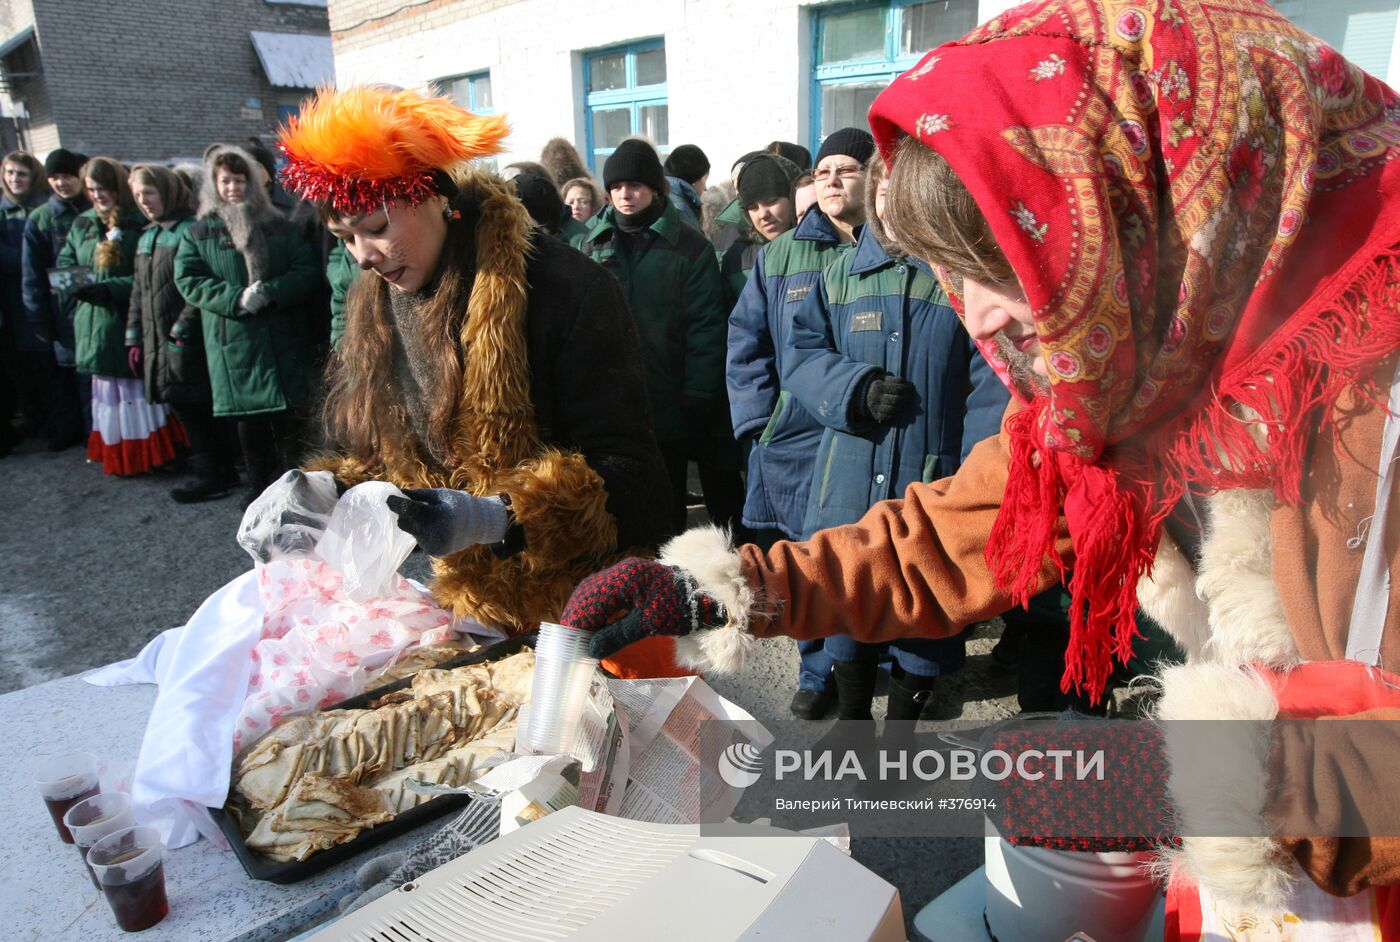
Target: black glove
652,598
97,293
886,397
697,414
445,521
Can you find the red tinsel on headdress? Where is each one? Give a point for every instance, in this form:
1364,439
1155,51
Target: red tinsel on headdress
357,148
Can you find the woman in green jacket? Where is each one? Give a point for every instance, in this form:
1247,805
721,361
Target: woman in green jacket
250,274
175,371
129,434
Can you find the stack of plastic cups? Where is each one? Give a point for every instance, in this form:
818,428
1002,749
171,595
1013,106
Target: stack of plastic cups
563,675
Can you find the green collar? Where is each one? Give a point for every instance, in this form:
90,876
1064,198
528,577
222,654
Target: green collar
667,225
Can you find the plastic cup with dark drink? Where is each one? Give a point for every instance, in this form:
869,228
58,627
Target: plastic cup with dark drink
94,818
64,781
128,867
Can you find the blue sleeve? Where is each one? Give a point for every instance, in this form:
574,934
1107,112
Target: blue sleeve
822,378
986,401
36,259
751,372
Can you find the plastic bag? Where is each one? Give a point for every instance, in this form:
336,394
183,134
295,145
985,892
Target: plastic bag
336,611
363,539
288,518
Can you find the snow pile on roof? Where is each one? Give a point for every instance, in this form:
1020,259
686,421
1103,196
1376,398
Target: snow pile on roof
295,60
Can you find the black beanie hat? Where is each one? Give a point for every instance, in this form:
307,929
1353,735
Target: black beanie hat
687,162
799,155
766,177
63,161
852,142
541,199
634,161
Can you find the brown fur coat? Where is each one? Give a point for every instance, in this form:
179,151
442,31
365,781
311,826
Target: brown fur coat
557,497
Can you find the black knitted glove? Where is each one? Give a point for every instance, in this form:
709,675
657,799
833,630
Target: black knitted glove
652,598
445,521
886,397
97,293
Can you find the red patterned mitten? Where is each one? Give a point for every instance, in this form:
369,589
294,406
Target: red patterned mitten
636,599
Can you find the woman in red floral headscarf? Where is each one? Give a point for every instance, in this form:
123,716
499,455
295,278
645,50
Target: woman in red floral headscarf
1174,226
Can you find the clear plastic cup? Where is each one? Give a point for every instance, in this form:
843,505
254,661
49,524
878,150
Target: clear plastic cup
94,818
128,866
63,782
559,690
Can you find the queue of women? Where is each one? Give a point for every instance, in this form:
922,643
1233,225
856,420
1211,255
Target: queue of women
133,316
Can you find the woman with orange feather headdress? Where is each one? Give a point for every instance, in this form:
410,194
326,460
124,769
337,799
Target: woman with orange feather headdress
493,374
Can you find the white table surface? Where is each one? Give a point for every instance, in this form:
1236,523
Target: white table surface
45,892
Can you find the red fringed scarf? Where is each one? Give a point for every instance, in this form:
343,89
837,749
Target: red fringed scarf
1201,209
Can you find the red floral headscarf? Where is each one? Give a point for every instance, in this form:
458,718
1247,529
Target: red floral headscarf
1199,202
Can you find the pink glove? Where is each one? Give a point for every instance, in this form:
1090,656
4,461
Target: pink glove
133,360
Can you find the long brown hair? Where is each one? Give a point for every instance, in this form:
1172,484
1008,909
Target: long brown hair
108,256
931,214
362,412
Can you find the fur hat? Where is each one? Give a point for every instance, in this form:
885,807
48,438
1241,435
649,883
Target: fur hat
634,161
63,162
855,143
357,147
562,161
688,163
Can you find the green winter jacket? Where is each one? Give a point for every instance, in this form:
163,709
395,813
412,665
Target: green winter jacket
341,272
99,330
174,371
674,289
258,363
572,233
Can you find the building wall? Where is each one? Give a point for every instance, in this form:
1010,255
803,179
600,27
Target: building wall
738,71
35,119
166,78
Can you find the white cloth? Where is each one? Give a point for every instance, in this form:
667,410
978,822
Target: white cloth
187,753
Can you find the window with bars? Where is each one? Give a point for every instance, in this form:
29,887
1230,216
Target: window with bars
625,95
857,49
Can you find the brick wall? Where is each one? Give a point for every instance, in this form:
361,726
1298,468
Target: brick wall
162,79
737,70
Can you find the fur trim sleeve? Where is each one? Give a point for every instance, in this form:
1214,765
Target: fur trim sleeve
1219,784
348,471
560,503
708,555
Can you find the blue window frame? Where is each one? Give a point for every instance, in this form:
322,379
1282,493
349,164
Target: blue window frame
471,92
625,94
858,49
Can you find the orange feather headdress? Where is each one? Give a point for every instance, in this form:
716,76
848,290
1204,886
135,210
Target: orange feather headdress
358,147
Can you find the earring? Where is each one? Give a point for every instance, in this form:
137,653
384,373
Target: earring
450,214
